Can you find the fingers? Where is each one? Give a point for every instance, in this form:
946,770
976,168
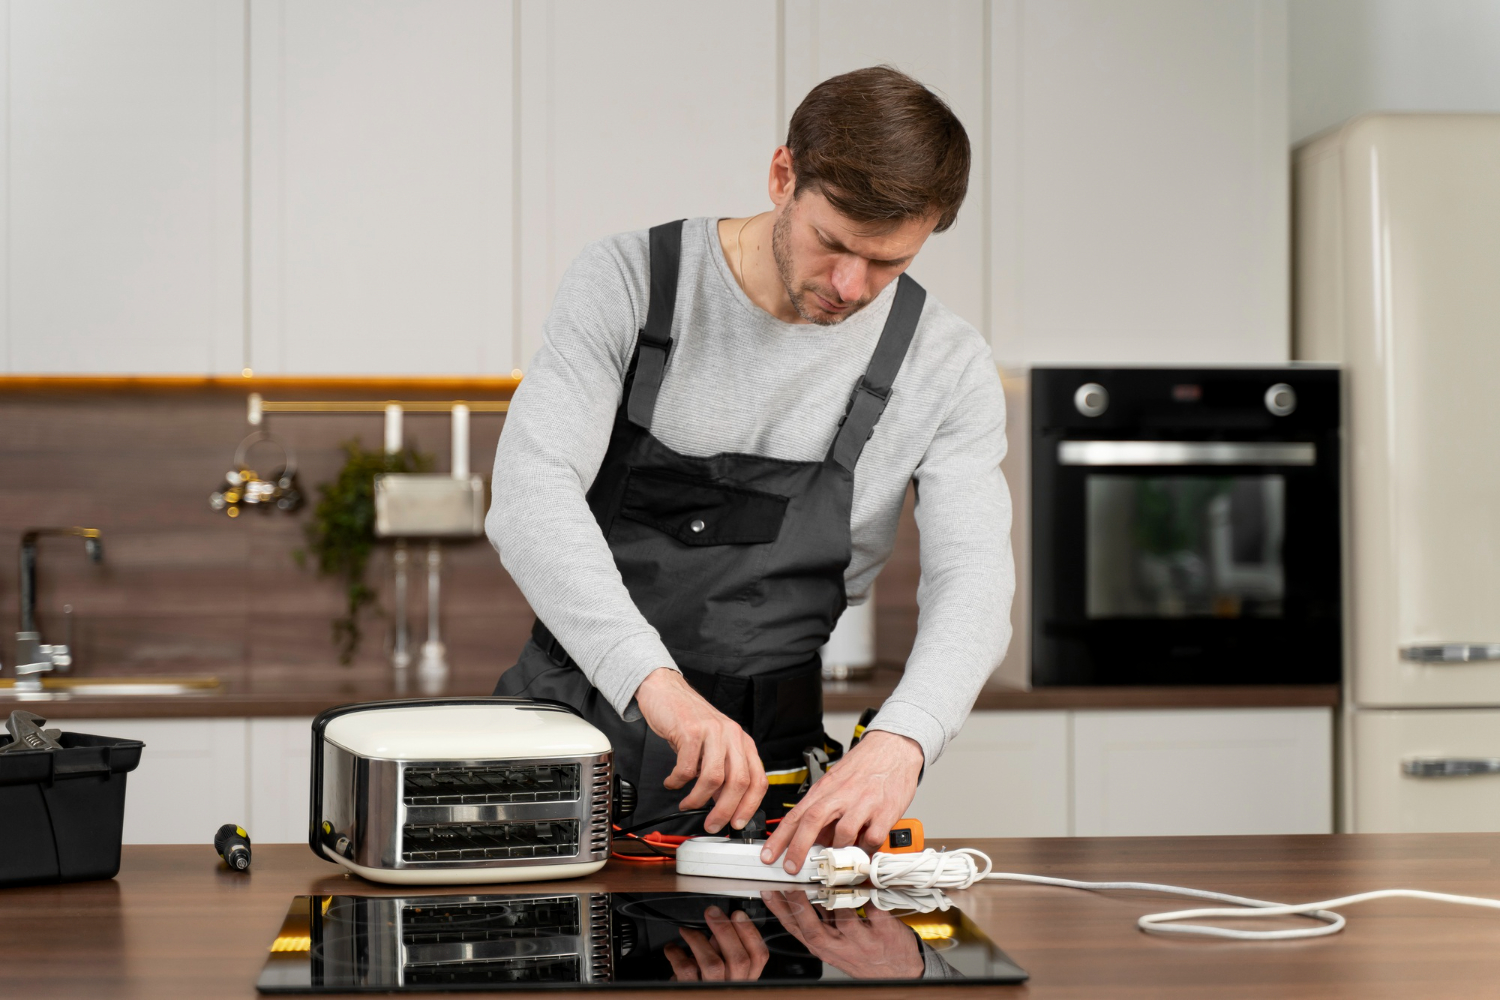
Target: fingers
807,835
710,774
731,945
688,752
807,922
886,815
710,964
755,789
850,825
684,969
781,908
777,842
727,802
755,945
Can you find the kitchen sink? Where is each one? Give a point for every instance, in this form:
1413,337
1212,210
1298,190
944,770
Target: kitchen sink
112,687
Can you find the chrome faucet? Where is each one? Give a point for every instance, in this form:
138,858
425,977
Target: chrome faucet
34,657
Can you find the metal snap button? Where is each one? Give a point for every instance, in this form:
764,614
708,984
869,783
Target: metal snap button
697,526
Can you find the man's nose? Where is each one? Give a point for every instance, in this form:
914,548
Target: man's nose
849,276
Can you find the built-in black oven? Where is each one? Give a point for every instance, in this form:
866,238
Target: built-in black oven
1185,526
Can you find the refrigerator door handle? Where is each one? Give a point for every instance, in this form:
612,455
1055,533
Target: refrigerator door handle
1452,652
1449,767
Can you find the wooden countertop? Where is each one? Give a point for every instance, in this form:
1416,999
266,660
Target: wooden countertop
175,923
303,693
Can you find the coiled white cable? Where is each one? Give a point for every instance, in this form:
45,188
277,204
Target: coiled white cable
961,868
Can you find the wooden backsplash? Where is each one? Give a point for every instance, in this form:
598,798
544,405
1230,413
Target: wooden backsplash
183,588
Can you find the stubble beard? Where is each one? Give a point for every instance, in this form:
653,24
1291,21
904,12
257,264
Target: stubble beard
781,252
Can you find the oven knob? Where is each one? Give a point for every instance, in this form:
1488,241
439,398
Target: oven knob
1091,399
1281,399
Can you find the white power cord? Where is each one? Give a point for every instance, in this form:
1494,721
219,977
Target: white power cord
961,868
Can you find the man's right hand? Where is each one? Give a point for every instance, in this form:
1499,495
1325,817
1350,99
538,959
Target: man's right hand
710,746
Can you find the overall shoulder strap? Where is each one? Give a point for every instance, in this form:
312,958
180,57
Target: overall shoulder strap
868,400
655,341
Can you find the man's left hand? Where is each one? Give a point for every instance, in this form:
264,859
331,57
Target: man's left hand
856,802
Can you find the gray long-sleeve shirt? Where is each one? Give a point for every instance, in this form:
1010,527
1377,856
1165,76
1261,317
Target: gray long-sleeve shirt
739,380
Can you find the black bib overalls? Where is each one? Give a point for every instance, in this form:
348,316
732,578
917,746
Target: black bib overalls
736,560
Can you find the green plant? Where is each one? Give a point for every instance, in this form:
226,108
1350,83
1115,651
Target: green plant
341,535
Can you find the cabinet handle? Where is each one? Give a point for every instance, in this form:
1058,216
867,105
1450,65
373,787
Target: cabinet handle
1452,652
1449,767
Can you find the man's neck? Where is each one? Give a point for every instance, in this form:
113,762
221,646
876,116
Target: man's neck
746,245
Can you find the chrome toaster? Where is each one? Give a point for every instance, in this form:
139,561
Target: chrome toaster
460,790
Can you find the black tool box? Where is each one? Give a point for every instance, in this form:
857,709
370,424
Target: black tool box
61,811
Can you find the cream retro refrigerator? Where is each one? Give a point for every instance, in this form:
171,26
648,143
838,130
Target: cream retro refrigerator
1397,233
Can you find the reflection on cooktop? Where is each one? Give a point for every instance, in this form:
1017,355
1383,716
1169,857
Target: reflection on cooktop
335,944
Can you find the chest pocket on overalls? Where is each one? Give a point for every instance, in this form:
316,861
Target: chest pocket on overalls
699,512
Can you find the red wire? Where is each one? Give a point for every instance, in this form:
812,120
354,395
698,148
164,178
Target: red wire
669,841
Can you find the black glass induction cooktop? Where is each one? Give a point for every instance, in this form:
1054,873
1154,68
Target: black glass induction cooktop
598,940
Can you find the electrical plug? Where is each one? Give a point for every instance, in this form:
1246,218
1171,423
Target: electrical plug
842,866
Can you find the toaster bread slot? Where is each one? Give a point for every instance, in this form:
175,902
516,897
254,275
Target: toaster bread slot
496,785
550,838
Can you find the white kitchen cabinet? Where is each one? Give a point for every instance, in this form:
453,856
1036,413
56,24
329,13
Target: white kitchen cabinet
1138,192
1386,799
280,754
191,779
386,187
634,115
380,192
1210,771
123,187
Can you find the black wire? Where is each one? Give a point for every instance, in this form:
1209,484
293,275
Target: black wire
656,820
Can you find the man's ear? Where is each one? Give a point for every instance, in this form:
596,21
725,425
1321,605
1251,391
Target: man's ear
782,184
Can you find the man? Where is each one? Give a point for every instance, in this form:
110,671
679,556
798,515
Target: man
711,450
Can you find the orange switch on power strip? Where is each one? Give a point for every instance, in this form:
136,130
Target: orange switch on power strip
905,838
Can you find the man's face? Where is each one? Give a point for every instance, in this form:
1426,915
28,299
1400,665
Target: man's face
832,266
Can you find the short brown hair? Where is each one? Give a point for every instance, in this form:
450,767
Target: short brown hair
881,148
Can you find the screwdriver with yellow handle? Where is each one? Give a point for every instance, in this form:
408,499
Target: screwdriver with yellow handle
233,845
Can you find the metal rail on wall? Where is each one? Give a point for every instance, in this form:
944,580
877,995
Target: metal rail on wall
432,667
257,406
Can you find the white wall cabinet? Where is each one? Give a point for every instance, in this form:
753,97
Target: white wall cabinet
380,192
634,115
1139,200
389,187
123,187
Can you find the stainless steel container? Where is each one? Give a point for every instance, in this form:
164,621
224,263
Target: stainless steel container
460,790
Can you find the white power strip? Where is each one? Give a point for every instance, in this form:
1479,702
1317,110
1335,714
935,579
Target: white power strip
722,857
917,881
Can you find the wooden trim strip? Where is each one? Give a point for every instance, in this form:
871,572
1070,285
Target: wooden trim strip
454,387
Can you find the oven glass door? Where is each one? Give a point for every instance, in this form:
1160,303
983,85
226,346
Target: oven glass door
1188,562
1162,546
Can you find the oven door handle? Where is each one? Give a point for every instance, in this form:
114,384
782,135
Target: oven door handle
1452,652
1449,767
1163,453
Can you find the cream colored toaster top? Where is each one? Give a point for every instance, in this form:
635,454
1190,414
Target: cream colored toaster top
460,790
